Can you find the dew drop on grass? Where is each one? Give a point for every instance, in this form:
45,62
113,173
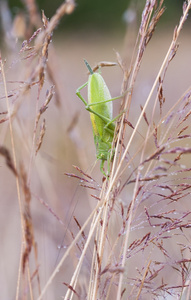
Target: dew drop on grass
183,166
61,247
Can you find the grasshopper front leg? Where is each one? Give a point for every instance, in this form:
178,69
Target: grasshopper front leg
87,106
79,95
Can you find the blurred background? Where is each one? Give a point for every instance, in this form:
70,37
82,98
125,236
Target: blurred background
94,31
100,15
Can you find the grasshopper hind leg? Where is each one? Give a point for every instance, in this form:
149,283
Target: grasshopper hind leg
102,168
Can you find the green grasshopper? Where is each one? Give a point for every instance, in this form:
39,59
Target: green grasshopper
101,113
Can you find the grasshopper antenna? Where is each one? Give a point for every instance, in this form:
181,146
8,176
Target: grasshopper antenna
88,66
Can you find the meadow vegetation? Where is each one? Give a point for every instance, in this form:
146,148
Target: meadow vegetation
133,241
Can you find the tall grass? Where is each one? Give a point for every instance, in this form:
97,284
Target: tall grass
135,243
